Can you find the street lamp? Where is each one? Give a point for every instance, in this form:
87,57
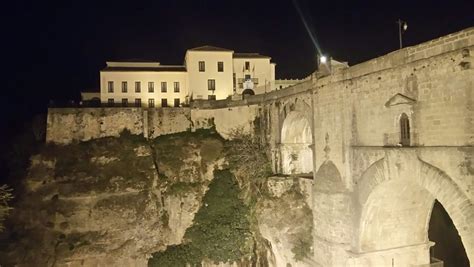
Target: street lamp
402,25
323,59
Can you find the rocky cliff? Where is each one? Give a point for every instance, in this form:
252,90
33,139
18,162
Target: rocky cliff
173,200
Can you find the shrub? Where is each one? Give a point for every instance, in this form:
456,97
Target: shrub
247,158
220,230
5,196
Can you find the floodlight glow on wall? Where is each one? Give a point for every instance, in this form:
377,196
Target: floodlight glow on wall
323,59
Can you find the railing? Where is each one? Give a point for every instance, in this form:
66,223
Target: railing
240,82
434,262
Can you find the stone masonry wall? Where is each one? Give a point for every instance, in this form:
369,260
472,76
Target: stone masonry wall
360,107
66,125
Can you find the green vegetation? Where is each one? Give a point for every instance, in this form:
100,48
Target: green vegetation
76,157
173,148
303,240
248,160
5,196
225,229
302,248
181,188
221,229
290,211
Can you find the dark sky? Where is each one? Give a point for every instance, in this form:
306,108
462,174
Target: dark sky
54,49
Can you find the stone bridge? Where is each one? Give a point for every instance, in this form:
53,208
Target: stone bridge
383,140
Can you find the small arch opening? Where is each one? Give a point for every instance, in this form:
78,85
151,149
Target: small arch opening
247,92
404,130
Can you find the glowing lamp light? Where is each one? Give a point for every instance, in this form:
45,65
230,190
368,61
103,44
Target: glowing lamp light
405,26
323,59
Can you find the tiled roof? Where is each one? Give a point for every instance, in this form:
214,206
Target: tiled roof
210,48
249,55
154,69
141,60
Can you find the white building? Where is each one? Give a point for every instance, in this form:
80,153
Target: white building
209,73
141,83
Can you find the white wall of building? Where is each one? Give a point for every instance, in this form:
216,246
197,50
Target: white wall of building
198,81
144,77
261,71
193,83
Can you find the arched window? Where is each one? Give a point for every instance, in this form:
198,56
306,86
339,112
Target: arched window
404,130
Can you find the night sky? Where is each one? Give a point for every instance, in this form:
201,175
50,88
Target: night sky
55,49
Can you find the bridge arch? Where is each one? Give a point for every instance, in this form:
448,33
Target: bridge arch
296,143
395,197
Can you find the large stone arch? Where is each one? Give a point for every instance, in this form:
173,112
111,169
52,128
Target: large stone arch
296,144
394,197
295,137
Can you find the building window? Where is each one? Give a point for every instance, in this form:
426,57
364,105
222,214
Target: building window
163,87
176,102
138,102
124,87
164,102
404,130
110,102
202,66
151,103
247,65
247,77
138,87
211,97
211,84
124,102
220,66
151,87
176,87
110,87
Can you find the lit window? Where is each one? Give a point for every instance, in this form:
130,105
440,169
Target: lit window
124,87
110,87
138,86
202,66
176,102
151,87
138,102
247,65
176,87
163,87
211,85
164,102
124,102
151,103
220,66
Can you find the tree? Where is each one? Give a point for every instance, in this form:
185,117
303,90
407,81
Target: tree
246,155
5,196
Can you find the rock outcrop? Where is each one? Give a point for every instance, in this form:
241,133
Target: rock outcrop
118,201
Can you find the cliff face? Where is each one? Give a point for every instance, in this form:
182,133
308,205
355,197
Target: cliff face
118,201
